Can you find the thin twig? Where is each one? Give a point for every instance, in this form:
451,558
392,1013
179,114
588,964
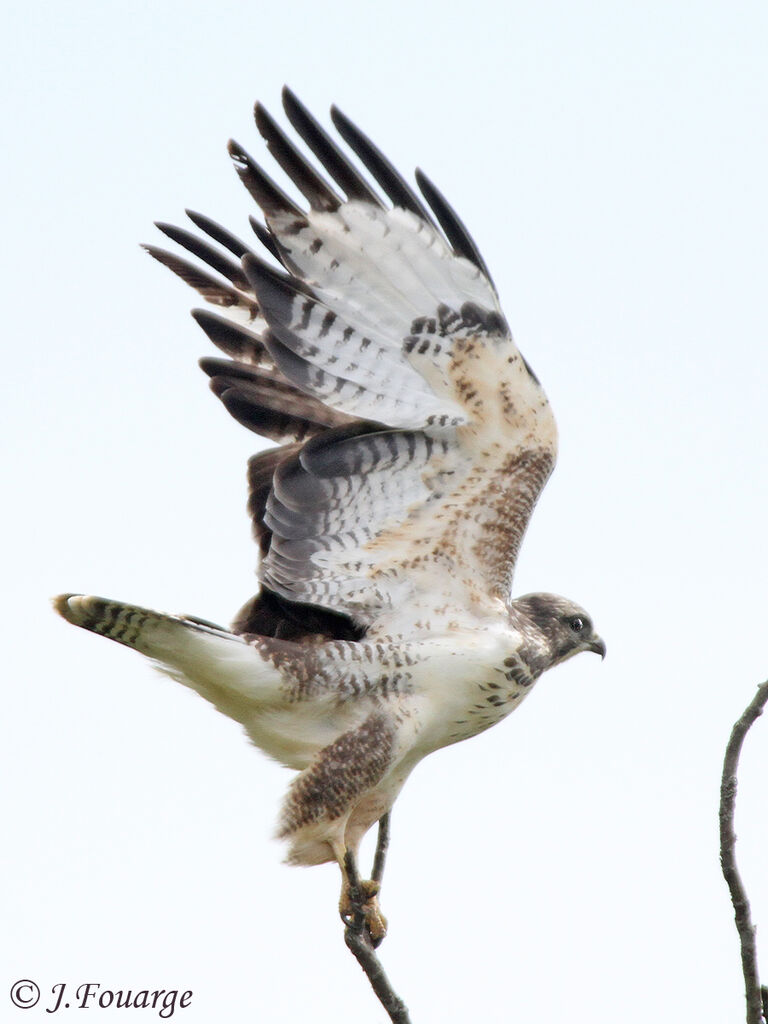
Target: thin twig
744,926
382,844
355,889
360,945
358,938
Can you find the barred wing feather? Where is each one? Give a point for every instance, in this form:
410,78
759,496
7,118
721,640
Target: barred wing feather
418,440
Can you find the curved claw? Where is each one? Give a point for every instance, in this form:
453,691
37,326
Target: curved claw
362,902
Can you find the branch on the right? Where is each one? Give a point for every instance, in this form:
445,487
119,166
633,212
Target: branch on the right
757,996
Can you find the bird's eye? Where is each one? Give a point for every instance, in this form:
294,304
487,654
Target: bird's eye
577,624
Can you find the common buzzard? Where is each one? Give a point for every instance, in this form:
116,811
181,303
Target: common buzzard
364,335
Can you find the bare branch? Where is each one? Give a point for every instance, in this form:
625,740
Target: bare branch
360,945
358,937
754,995
382,844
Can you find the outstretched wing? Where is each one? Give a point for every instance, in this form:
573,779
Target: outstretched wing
419,439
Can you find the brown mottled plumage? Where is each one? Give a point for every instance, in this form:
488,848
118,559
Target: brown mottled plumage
366,339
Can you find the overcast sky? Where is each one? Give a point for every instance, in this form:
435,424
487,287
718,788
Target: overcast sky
611,161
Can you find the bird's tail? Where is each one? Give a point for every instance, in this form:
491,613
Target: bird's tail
154,634
222,667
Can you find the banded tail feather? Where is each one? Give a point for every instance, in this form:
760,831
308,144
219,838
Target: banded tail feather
214,662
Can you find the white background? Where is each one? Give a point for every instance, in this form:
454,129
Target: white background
611,161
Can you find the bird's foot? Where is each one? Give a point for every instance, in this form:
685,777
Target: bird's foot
359,905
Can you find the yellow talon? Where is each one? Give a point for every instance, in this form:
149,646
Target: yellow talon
368,907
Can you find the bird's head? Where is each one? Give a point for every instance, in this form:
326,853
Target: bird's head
565,626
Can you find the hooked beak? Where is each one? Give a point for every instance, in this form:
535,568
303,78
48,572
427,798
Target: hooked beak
598,646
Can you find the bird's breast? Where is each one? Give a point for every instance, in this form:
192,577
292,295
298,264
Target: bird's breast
468,687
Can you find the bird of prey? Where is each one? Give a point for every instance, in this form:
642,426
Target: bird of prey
365,337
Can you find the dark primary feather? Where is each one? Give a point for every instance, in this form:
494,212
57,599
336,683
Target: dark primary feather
344,173
455,231
391,181
320,195
203,250
266,238
251,408
212,289
263,402
267,194
218,233
235,341
327,152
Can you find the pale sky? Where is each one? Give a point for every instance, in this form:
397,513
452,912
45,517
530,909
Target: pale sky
611,161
